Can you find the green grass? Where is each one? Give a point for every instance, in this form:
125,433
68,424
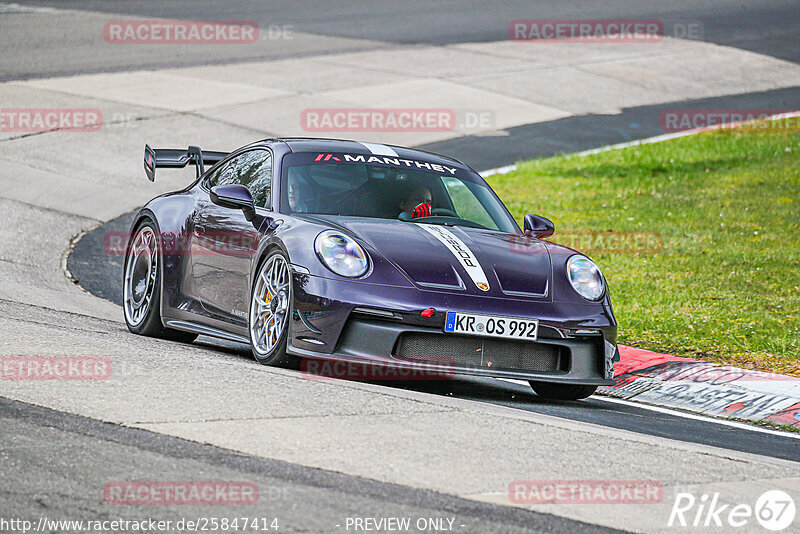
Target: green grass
699,238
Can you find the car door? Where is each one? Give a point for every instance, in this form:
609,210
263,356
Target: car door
224,242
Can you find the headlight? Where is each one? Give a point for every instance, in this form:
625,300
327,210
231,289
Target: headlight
585,277
341,254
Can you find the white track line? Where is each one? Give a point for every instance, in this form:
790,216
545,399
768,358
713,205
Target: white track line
499,170
707,419
679,413
16,8
649,140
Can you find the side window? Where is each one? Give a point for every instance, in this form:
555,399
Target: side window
466,204
223,175
252,169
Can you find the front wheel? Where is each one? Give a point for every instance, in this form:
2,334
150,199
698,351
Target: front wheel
550,390
270,307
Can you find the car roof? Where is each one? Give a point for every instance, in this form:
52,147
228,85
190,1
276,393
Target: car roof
312,144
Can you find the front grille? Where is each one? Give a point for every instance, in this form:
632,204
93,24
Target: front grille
477,352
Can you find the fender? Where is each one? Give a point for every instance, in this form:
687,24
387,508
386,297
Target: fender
170,212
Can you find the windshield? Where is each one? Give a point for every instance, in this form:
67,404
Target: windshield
441,195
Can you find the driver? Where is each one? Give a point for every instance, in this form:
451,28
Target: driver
299,194
418,203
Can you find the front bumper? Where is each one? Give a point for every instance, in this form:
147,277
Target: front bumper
569,361
370,325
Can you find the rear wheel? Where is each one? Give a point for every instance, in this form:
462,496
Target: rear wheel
141,286
270,307
549,390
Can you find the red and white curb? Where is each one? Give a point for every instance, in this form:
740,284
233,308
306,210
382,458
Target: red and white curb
705,388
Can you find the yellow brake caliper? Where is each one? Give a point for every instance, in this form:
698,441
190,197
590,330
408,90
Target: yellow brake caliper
268,299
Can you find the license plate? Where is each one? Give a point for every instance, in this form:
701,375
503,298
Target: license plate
491,326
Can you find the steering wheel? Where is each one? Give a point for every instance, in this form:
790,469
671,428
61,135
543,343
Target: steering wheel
443,211
435,211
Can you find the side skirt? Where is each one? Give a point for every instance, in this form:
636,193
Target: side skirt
188,326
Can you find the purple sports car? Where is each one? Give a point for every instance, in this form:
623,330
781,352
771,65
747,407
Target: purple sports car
322,249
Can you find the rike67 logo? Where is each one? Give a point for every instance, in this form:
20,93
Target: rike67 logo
774,510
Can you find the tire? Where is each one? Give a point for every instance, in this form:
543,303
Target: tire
270,310
549,390
141,286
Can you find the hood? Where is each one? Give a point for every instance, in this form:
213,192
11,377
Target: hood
457,258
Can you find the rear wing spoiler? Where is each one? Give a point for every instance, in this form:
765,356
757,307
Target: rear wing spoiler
176,158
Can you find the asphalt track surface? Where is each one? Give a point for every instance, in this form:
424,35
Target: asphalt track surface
41,479
75,457
768,27
585,132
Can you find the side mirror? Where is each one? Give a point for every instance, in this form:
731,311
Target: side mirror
538,226
234,196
